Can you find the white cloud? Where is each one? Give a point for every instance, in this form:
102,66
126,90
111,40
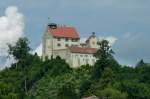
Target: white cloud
112,40
11,29
82,40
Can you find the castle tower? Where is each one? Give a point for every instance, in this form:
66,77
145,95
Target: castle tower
58,38
91,42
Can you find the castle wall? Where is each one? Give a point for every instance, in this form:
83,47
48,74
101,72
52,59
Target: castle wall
51,43
64,42
59,47
92,41
79,59
47,45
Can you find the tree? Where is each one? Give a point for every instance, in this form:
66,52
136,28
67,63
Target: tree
107,78
5,92
67,91
104,56
141,63
21,50
111,93
104,51
135,89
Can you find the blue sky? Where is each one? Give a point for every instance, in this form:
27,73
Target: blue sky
127,20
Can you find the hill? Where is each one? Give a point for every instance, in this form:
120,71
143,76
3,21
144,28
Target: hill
31,78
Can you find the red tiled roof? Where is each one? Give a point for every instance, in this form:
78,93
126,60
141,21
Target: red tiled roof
67,32
82,50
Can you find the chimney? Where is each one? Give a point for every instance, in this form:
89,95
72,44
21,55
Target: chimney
52,25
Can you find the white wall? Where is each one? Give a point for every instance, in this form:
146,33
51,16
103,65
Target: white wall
47,42
63,43
82,59
92,42
50,46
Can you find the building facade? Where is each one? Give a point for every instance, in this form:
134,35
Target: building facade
64,41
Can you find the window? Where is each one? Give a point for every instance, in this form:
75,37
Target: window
67,39
74,40
93,43
58,44
66,45
58,39
86,55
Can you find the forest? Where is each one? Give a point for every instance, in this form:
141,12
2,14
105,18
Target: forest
32,78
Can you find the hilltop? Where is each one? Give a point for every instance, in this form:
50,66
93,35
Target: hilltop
32,78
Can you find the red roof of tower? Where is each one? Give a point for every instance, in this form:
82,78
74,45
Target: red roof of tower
67,32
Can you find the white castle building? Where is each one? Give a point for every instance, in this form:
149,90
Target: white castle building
64,41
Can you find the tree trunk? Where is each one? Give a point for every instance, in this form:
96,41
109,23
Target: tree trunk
25,86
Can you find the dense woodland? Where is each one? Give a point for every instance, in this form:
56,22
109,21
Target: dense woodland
32,78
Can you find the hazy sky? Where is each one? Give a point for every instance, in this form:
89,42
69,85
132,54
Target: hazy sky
126,20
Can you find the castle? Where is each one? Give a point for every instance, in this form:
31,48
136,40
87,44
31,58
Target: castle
64,41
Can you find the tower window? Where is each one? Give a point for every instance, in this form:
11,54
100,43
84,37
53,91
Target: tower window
58,44
58,39
86,55
93,43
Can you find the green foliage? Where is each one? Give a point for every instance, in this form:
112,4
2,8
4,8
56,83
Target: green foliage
104,51
135,89
104,56
141,63
67,92
58,67
54,87
111,93
5,92
108,77
20,50
31,78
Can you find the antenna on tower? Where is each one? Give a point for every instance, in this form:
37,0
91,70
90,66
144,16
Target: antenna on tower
48,20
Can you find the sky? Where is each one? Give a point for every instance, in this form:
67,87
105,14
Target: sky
126,21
